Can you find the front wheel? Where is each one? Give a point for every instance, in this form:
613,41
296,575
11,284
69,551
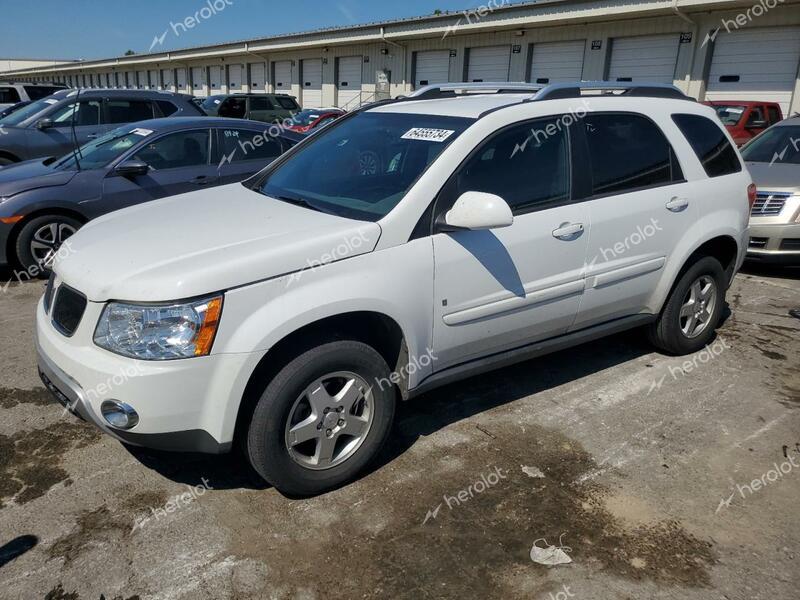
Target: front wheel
693,310
322,419
40,240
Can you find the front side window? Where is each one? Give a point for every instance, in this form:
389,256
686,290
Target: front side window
710,144
526,165
85,113
177,150
242,144
128,111
776,145
362,168
627,152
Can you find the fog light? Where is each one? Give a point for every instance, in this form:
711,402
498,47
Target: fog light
119,415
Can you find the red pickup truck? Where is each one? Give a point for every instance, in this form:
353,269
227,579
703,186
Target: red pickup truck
746,119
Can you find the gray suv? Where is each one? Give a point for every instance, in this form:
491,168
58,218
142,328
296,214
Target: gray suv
14,93
44,128
773,159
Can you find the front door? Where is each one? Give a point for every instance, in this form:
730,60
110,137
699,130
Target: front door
500,289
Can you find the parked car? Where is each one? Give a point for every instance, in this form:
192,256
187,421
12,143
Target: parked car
290,312
13,108
269,108
773,159
44,202
744,119
12,93
44,127
314,118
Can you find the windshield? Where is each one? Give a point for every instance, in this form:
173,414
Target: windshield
362,167
22,114
730,114
778,144
212,101
103,150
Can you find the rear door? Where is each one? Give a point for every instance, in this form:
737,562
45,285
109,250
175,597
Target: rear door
179,162
244,152
504,288
640,207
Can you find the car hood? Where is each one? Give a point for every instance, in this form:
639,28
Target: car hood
776,177
203,242
31,175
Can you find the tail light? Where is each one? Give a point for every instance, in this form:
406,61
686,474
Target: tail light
752,194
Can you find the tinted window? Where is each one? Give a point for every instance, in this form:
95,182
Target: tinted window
234,108
37,92
166,108
287,103
526,165
627,152
730,114
241,144
774,114
776,145
756,114
8,95
129,111
259,103
87,113
182,149
710,144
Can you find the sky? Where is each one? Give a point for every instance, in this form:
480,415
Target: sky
88,29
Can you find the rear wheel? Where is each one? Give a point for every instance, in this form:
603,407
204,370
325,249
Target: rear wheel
693,309
40,240
322,419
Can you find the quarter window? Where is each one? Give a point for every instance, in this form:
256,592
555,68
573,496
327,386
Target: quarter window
628,152
526,165
710,144
240,145
182,149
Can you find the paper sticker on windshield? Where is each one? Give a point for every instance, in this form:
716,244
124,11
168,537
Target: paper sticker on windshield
50,101
428,135
142,132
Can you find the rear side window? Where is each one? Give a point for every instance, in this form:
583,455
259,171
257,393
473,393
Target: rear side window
241,144
166,108
287,103
628,152
129,111
258,103
710,144
9,95
177,150
774,114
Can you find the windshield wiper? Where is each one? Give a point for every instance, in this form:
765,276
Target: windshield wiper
301,202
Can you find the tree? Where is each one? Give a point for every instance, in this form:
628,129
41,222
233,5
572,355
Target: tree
130,53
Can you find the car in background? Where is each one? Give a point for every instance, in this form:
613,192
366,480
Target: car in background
12,93
44,128
269,108
13,108
309,119
44,202
744,120
773,159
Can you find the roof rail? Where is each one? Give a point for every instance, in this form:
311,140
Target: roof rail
556,91
451,90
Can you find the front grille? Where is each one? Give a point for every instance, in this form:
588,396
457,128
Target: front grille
790,244
48,294
68,310
769,203
758,243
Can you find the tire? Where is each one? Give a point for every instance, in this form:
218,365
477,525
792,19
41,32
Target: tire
37,235
673,332
287,433
4,162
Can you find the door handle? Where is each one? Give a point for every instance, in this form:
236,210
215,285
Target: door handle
568,231
201,180
93,136
677,205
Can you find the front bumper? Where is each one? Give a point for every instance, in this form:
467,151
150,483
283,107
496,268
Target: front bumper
185,406
778,244
5,233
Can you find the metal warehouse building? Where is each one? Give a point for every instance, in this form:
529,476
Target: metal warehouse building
724,49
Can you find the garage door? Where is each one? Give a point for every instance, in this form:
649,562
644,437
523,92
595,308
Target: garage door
312,83
235,78
489,64
155,83
348,82
167,76
283,75
557,62
757,64
199,81
432,67
183,85
215,79
649,58
258,77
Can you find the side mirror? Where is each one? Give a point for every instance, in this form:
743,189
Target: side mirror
479,210
43,124
757,124
132,168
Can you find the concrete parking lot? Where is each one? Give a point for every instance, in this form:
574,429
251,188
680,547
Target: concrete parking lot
658,477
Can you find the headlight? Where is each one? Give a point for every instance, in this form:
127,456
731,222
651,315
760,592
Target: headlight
159,331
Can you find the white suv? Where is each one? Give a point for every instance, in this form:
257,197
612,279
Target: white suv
409,244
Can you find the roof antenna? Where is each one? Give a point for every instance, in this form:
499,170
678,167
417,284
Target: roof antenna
76,151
